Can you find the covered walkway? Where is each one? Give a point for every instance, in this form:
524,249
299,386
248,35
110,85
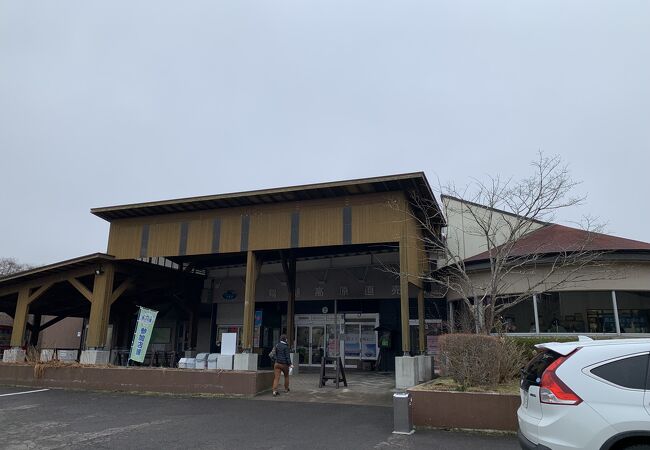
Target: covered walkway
94,287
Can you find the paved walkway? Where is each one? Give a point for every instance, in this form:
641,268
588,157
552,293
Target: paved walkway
57,419
364,388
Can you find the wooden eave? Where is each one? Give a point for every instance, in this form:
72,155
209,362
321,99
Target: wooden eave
411,182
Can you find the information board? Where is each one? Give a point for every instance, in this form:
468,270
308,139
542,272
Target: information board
228,343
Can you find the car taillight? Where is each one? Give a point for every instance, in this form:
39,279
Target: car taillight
552,390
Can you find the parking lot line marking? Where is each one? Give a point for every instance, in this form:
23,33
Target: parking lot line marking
25,392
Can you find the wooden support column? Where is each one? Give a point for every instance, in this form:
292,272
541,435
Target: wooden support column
404,296
100,308
36,330
20,318
213,327
194,325
252,271
289,267
421,323
22,310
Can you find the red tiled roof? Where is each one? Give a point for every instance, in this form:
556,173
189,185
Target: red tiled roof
554,238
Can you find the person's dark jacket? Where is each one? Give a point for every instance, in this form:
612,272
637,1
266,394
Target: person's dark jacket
282,354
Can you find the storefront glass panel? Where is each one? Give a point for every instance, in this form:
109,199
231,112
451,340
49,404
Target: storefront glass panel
352,342
368,342
519,318
576,312
302,344
317,344
331,341
633,311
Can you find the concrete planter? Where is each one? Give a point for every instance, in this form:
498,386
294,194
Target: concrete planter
470,410
172,381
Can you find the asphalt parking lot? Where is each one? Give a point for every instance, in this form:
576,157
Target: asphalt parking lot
52,419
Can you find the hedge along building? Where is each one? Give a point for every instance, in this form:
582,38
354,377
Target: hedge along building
609,297
257,263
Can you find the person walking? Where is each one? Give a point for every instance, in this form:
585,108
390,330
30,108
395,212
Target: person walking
282,364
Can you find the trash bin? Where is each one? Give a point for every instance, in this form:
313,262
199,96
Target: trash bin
212,361
202,361
402,421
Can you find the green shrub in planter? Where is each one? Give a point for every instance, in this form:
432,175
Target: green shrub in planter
480,360
527,344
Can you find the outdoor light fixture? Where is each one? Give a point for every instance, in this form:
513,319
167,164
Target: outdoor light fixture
99,270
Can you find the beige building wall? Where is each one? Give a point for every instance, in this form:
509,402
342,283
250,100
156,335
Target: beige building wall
465,238
64,334
620,276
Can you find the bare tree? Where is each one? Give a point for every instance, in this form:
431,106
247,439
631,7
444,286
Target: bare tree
500,213
9,266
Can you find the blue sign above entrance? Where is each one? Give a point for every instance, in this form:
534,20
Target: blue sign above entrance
229,295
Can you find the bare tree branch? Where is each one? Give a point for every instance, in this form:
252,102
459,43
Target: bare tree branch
499,213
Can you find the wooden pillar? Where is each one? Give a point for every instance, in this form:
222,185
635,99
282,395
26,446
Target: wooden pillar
100,308
421,323
289,267
213,328
36,330
291,312
20,318
252,270
194,325
404,297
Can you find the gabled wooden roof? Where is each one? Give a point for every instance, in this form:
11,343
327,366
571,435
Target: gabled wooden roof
416,182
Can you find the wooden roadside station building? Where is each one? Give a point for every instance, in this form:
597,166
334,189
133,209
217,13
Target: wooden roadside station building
257,263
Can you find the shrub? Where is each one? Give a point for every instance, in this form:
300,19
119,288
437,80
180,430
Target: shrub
480,360
527,344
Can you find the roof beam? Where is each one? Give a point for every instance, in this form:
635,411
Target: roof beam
83,290
126,284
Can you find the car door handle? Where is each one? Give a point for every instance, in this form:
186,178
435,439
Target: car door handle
533,395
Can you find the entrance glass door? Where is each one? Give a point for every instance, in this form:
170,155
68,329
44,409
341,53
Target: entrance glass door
352,341
302,344
317,344
368,342
332,349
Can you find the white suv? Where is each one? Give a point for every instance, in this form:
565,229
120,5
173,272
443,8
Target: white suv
587,394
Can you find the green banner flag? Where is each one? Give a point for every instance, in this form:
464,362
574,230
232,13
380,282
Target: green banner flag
143,329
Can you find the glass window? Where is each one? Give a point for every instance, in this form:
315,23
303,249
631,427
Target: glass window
519,318
633,311
352,341
576,312
628,372
532,373
368,342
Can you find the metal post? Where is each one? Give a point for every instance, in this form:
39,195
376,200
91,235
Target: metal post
402,419
336,327
451,320
615,306
336,339
536,314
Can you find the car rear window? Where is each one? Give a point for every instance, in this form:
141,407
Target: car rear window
532,373
629,372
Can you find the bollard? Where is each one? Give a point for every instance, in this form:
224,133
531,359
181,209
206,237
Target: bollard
402,421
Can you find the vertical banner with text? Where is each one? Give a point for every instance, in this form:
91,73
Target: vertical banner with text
143,329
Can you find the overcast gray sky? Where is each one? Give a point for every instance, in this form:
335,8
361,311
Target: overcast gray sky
111,102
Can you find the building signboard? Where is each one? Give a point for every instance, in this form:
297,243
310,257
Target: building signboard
228,343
